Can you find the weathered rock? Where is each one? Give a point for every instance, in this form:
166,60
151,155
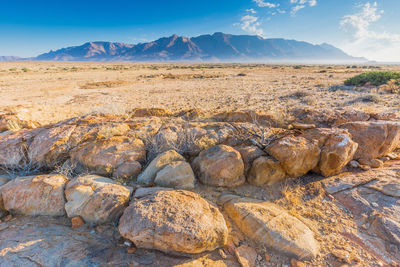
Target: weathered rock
375,138
266,171
96,199
220,165
118,156
337,149
44,241
373,163
14,147
178,174
49,147
246,256
173,221
249,154
147,177
269,225
77,222
35,195
297,155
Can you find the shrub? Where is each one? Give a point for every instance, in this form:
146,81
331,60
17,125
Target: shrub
376,78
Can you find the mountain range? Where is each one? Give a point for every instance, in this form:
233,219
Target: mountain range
218,47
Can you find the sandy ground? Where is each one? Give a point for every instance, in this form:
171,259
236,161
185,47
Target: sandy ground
52,91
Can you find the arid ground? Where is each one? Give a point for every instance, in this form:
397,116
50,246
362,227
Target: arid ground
52,91
324,157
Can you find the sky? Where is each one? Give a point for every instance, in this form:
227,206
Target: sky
368,28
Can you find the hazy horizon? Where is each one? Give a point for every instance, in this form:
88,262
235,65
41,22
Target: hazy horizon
360,28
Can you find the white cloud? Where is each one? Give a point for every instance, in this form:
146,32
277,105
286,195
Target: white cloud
300,4
250,24
262,3
382,45
251,10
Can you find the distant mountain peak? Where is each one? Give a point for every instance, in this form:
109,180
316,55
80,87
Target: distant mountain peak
216,47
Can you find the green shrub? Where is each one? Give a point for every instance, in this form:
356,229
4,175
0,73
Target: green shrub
376,78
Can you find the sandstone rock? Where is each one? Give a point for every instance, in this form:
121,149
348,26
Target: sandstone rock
4,180
375,138
35,195
297,155
220,165
147,177
96,199
249,154
174,221
178,174
266,171
337,149
118,156
246,256
373,163
269,225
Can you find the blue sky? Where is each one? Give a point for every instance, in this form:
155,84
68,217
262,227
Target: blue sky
360,27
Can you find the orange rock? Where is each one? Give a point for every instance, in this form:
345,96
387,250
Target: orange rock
77,222
267,257
246,256
131,250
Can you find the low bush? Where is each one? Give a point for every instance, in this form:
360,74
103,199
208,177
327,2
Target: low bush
376,78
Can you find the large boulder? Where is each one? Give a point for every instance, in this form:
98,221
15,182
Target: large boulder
297,155
35,195
220,165
375,138
96,199
178,174
266,171
117,156
149,174
173,221
337,149
271,226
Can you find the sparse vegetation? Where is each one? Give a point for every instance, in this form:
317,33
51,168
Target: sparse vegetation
375,78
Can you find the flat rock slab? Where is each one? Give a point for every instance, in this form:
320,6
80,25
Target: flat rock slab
345,181
43,241
388,184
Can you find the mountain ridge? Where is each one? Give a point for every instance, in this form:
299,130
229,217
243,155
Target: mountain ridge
218,47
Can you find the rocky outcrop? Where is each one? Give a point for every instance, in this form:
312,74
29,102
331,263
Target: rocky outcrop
297,155
271,226
149,174
220,165
11,122
173,221
118,156
375,138
35,195
266,171
95,199
178,174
